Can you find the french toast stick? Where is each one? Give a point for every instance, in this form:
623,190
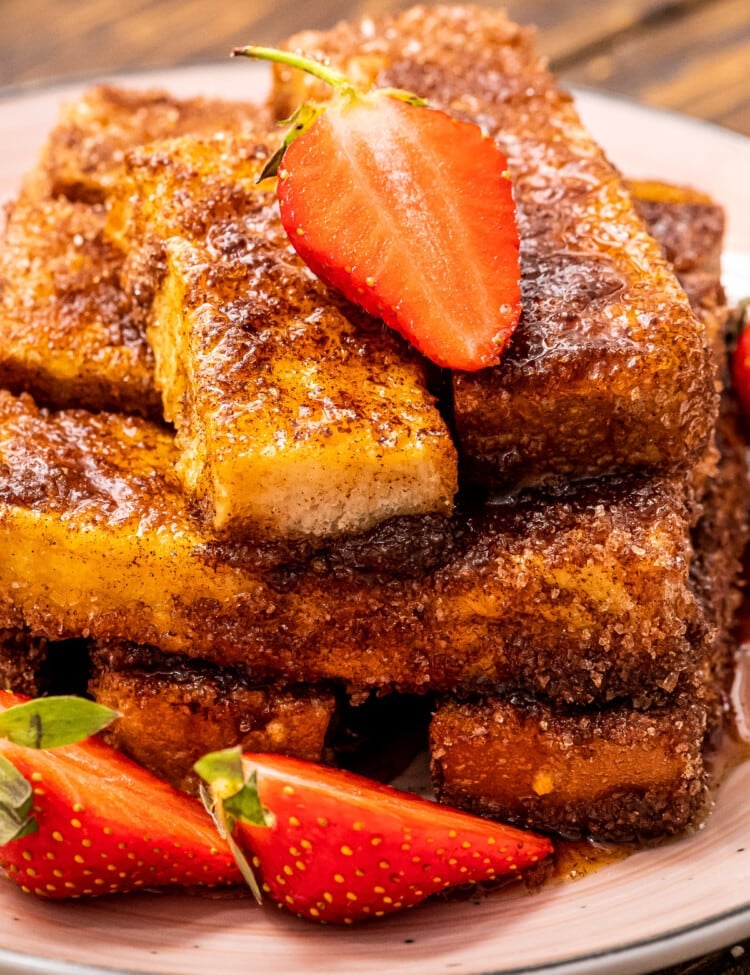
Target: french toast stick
67,329
82,159
615,774
685,221
69,333
581,598
296,415
618,772
689,227
608,369
172,712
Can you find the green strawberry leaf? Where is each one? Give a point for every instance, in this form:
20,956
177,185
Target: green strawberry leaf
15,791
224,773
245,805
300,121
16,800
223,768
403,96
51,722
13,826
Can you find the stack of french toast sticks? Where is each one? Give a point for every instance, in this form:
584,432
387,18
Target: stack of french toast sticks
238,505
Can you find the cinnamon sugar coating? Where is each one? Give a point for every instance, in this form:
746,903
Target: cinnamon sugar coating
609,369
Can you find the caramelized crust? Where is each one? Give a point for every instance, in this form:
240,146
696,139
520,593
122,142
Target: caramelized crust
688,224
689,227
84,153
617,774
22,661
620,772
608,369
67,330
172,712
296,416
580,598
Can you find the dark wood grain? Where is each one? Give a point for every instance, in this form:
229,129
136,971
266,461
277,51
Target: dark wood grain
697,62
688,55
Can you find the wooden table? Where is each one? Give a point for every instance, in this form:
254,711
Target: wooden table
692,56
689,55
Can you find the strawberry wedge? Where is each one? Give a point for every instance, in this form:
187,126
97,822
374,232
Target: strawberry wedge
407,212
337,848
81,819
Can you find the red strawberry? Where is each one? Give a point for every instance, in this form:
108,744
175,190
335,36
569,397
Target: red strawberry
94,822
741,359
408,212
335,847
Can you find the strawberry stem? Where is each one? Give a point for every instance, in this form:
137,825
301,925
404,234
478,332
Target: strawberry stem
306,114
229,796
329,75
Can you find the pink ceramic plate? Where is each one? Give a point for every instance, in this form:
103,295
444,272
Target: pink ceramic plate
655,908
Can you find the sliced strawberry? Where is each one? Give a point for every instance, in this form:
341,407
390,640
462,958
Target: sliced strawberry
409,213
741,359
335,847
96,823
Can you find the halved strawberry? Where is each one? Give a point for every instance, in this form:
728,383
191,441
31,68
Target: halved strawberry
84,820
335,847
408,212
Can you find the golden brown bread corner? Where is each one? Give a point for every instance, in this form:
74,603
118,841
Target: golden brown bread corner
686,222
82,159
67,330
579,598
172,712
296,415
607,344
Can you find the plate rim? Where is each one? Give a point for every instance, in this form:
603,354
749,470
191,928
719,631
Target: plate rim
26,964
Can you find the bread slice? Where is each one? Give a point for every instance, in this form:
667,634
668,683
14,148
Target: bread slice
69,334
616,774
82,159
619,772
296,416
685,221
173,711
581,597
67,330
609,369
